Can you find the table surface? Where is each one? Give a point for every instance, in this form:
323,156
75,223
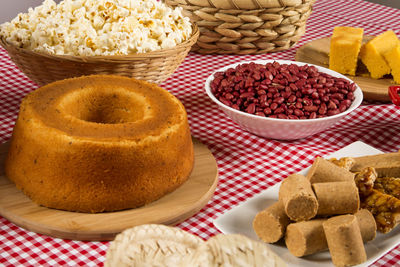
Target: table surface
247,164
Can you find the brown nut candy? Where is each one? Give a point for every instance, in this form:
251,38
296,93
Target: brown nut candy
306,238
270,224
367,224
344,240
323,171
337,198
298,198
386,165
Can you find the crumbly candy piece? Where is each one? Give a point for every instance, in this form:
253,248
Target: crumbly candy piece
365,180
346,162
385,208
98,27
388,185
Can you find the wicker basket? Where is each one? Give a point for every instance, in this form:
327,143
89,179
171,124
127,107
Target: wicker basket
246,26
151,245
154,66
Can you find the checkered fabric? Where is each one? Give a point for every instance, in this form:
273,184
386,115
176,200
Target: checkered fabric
247,164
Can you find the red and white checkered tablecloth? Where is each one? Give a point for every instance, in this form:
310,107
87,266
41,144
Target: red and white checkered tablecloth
247,164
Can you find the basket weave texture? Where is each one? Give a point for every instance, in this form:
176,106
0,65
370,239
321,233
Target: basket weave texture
233,250
154,66
151,245
154,245
246,26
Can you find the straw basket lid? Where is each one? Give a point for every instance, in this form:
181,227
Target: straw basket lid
151,245
246,26
245,4
234,250
155,66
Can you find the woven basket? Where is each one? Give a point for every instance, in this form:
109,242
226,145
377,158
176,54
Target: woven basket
246,26
151,245
154,66
233,250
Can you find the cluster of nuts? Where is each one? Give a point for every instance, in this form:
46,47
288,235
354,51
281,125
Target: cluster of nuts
284,91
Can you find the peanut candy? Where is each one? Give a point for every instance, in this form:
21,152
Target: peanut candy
346,162
365,180
385,208
388,185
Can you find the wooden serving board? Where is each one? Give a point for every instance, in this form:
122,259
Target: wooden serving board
317,52
173,208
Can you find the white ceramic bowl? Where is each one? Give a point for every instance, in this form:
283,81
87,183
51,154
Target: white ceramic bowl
282,129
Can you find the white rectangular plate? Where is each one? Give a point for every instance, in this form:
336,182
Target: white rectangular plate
239,220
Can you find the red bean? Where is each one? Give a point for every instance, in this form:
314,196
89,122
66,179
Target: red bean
274,106
347,102
311,108
322,109
282,116
267,111
279,100
259,113
299,105
228,96
307,102
279,110
317,102
291,99
251,108
314,95
298,112
331,105
342,107
333,112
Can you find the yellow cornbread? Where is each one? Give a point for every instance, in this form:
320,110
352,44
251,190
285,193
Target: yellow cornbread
372,53
393,59
344,49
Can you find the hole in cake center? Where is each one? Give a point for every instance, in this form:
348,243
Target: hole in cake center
107,107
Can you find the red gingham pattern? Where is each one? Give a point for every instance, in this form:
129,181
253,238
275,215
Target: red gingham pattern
247,164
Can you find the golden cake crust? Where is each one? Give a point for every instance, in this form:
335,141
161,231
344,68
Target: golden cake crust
99,143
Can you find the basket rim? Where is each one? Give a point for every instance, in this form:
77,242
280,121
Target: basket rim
153,54
239,5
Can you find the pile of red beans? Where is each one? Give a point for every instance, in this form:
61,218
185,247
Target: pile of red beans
284,91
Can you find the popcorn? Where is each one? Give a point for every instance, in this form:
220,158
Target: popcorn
98,27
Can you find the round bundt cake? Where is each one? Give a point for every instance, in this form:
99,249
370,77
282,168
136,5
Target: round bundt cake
99,143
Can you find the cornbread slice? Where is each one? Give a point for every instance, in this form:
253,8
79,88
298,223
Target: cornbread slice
344,49
372,53
393,59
